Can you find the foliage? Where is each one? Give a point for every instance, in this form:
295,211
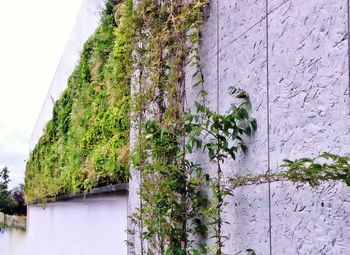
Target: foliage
222,132
132,77
250,252
175,214
86,142
172,190
5,176
221,135
171,219
172,187
7,202
18,194
313,171
326,167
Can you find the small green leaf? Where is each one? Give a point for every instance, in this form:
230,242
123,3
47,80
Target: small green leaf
149,136
161,134
250,252
248,131
189,145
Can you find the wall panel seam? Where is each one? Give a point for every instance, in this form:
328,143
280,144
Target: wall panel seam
268,119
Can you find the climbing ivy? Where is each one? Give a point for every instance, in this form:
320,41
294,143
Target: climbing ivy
172,187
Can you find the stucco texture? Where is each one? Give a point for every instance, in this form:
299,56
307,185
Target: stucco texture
291,57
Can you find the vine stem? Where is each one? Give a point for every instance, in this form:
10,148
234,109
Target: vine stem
219,208
142,166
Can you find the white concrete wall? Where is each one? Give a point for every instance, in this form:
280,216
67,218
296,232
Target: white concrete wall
12,242
87,21
293,62
89,226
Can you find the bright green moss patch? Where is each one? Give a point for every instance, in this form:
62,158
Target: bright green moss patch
86,144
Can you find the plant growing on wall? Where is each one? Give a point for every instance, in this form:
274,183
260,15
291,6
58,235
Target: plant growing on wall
170,183
167,44
325,167
86,142
221,135
132,80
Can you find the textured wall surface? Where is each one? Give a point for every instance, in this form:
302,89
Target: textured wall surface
291,56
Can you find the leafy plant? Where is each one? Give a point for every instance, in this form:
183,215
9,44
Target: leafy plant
8,204
326,167
131,79
221,135
86,143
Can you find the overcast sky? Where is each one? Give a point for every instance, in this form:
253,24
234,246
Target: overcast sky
33,35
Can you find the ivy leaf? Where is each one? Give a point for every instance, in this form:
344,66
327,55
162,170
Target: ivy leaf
189,144
198,130
136,159
196,73
328,155
250,252
211,154
315,168
244,148
305,160
196,84
248,130
234,133
232,154
244,113
224,144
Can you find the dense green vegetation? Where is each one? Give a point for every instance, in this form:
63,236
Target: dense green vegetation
7,202
11,201
86,143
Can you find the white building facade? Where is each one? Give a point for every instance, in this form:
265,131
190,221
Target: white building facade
292,58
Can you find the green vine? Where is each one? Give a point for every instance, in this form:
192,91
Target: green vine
313,171
221,135
131,80
170,218
172,187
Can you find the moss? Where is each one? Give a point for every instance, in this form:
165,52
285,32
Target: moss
86,142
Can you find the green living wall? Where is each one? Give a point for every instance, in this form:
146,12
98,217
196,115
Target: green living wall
86,144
